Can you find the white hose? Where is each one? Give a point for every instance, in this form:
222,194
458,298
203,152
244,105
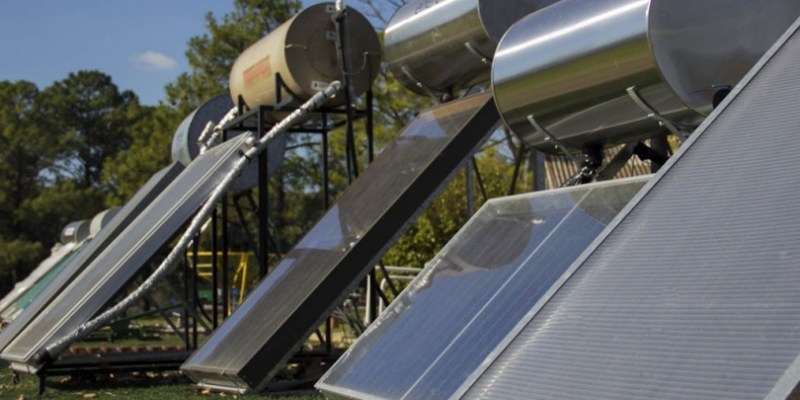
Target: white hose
340,5
257,147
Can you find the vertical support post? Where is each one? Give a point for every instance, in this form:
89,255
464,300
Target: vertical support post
214,269
470,187
225,249
520,158
325,205
343,44
660,145
186,305
195,284
263,201
539,170
372,290
326,184
370,127
42,382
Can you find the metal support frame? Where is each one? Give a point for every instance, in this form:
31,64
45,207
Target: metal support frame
663,121
591,161
267,236
557,144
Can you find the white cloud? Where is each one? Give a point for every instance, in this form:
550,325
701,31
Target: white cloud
154,61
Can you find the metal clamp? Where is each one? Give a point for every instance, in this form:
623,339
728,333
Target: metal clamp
548,137
653,114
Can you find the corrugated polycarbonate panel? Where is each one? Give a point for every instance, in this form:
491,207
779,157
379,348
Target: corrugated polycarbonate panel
124,257
140,200
694,293
340,249
473,293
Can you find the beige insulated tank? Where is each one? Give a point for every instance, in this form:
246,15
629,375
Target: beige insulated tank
303,51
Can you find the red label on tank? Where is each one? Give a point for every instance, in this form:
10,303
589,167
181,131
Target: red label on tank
258,71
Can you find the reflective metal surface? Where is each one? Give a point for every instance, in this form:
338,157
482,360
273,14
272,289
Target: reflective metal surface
303,51
578,57
243,353
473,293
110,271
75,232
185,146
692,293
128,213
449,44
101,220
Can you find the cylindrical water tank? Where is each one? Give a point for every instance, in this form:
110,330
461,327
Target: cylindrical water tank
303,51
185,146
101,220
440,46
75,232
569,66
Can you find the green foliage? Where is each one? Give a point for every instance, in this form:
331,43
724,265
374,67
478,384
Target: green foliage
447,213
53,144
24,151
91,120
126,172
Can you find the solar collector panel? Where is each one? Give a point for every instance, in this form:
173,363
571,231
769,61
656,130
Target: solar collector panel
140,200
440,330
276,317
125,257
694,293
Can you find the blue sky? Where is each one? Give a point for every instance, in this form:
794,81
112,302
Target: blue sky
140,43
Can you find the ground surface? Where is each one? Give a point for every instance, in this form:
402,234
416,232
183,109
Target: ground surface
145,387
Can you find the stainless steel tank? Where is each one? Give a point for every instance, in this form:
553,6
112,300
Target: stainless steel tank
303,51
440,46
568,67
185,146
75,232
101,220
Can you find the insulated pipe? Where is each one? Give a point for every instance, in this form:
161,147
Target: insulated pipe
257,146
601,72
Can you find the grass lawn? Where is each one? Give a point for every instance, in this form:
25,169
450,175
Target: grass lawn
152,386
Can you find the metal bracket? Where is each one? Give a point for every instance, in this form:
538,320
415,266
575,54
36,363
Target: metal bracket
548,137
484,58
653,114
616,164
407,72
